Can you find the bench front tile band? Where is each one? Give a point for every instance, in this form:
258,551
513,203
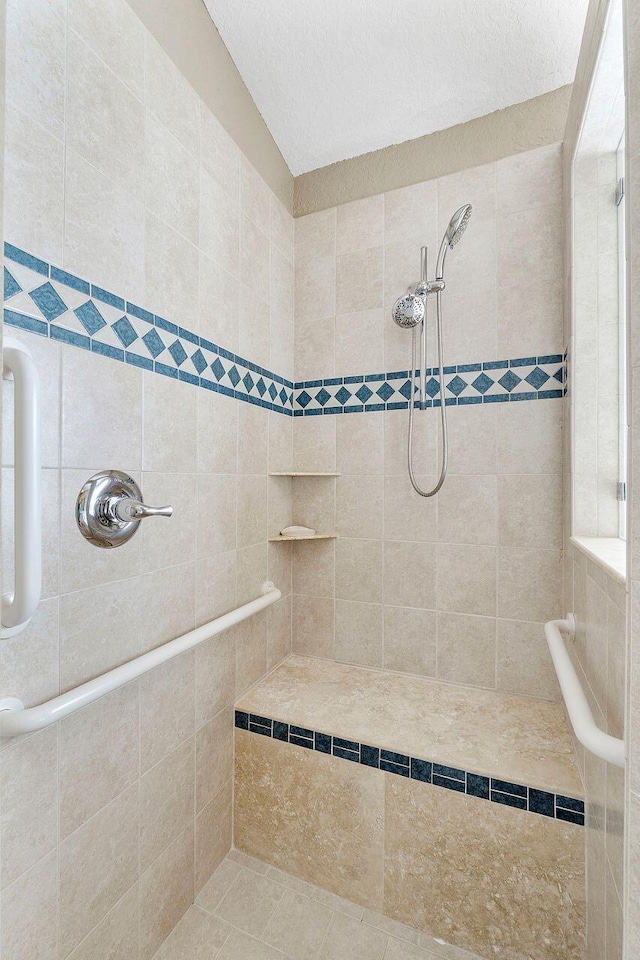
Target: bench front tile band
541,802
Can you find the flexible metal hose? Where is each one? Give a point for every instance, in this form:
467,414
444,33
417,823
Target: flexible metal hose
443,409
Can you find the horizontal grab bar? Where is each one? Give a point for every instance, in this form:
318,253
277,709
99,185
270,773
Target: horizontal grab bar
16,720
589,734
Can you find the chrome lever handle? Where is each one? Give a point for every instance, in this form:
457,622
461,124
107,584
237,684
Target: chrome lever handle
131,509
109,509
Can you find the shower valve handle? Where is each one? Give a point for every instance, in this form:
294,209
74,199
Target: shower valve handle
127,508
110,507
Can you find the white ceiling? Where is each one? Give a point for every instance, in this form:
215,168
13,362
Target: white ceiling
337,78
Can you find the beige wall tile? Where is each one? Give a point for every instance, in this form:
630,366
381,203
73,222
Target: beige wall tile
219,224
36,63
410,640
117,37
468,510
104,230
170,97
94,388
98,864
98,751
359,225
315,236
29,661
101,115
359,507
34,194
529,584
466,583
409,574
358,636
520,498
313,626
116,935
360,444
359,343
171,273
407,515
167,794
214,830
359,570
167,703
30,913
166,892
359,280
314,568
171,181
214,757
251,651
523,663
29,803
215,676
467,649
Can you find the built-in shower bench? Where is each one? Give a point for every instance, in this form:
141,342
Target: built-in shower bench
454,810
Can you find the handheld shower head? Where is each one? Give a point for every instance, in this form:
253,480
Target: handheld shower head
408,311
453,235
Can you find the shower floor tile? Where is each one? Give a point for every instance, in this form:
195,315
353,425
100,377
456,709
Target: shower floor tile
251,911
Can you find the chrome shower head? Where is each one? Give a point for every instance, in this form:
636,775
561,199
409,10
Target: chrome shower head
453,235
408,311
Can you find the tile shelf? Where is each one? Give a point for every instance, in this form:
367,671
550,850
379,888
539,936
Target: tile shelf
317,536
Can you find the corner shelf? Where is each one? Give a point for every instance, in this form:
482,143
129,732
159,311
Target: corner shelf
317,536
301,473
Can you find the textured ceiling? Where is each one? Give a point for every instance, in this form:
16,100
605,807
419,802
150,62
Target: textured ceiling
337,78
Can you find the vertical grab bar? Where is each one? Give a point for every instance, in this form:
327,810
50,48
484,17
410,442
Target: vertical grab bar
18,607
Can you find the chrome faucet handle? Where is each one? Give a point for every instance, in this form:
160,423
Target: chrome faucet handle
109,509
130,509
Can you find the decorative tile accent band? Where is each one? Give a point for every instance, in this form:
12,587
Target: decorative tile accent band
542,802
494,381
45,300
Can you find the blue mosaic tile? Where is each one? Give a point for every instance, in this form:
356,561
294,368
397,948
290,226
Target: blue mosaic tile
478,786
178,352
509,380
69,280
505,786
125,332
537,378
447,783
280,731
369,756
421,770
50,304
323,743
508,800
153,343
541,802
90,317
241,720
11,285
343,395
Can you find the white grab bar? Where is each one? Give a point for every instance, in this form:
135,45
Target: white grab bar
590,735
18,607
15,720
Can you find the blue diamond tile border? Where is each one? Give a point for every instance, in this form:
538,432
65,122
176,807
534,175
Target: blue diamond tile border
45,300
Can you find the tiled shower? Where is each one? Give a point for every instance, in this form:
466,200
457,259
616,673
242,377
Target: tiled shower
379,762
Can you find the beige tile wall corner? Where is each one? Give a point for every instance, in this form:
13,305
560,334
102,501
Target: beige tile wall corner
116,170
600,604
456,587
631,903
